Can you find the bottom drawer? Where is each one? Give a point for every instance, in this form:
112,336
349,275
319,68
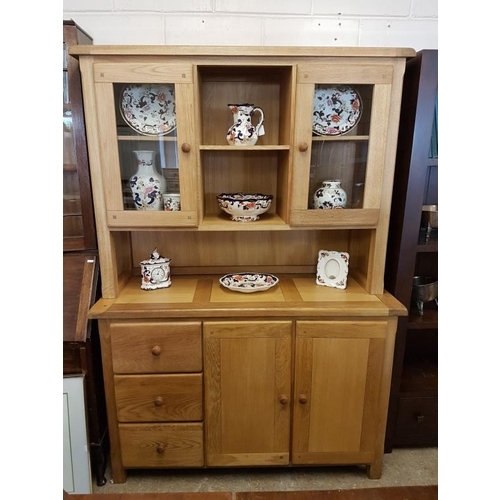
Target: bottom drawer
417,422
162,445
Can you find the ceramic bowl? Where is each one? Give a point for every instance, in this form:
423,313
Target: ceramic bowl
244,207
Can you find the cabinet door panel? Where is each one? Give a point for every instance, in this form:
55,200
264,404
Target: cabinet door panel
247,392
338,375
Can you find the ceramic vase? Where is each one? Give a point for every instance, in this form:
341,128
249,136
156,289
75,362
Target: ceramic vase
147,185
330,196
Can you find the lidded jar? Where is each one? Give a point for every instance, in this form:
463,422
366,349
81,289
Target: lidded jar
330,195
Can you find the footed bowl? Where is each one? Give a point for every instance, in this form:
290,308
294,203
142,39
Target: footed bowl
244,207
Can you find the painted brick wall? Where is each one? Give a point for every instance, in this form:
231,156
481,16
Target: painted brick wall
369,23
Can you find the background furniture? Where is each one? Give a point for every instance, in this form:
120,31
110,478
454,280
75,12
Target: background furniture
81,286
413,409
197,375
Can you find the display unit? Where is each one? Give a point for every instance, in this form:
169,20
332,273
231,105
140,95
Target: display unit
79,232
81,287
194,372
413,251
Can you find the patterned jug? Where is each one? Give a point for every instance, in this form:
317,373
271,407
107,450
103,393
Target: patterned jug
243,132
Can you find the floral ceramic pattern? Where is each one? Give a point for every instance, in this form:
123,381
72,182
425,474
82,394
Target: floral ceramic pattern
243,132
244,207
337,109
248,282
149,109
330,196
155,272
332,269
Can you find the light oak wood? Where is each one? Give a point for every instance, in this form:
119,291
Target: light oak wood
156,347
247,378
322,353
162,445
159,398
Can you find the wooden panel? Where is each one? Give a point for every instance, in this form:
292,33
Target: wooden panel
247,392
344,73
338,371
156,347
144,72
162,445
156,398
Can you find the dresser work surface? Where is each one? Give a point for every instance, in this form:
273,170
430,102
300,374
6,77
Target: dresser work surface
206,297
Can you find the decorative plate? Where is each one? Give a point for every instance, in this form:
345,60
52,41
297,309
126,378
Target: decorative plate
337,109
149,109
248,282
332,269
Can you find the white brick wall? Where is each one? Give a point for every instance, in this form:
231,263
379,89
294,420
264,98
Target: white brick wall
396,23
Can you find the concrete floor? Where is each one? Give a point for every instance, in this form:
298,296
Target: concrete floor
402,467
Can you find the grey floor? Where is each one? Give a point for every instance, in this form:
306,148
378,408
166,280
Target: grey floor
402,467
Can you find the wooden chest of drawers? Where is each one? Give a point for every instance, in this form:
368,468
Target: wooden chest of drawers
158,392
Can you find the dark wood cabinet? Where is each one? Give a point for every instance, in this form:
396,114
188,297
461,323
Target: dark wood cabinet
79,231
413,251
81,273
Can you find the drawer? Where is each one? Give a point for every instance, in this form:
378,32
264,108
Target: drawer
156,347
159,398
161,445
417,422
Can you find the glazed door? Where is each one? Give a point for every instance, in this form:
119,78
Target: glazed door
342,377
342,124
147,143
247,392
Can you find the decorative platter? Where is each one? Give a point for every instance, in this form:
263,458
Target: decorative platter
336,110
248,282
149,109
332,269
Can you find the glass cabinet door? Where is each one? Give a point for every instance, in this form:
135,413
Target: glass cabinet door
152,169
341,127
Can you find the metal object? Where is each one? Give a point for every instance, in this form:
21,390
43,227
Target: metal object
425,289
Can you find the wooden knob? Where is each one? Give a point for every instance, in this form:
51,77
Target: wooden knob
156,350
186,148
283,399
303,146
160,449
302,399
158,401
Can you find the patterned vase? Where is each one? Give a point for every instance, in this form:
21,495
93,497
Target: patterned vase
147,184
330,195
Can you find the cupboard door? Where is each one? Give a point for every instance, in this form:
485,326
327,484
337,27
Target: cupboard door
247,392
147,142
342,121
341,391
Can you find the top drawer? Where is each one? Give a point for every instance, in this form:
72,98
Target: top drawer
156,347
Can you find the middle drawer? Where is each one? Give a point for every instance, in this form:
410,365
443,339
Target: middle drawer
159,398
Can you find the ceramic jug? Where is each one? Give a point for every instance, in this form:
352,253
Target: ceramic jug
147,184
243,132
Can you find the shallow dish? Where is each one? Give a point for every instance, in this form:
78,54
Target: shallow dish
337,109
244,207
332,269
149,109
248,282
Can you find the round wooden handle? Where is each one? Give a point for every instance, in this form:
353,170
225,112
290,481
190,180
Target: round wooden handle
186,148
156,350
283,399
158,401
303,146
302,399
160,449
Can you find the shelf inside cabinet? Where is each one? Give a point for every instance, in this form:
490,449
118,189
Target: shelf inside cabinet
428,321
222,222
420,377
208,147
340,138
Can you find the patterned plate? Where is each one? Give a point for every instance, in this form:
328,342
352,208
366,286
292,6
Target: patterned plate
149,109
337,109
248,282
